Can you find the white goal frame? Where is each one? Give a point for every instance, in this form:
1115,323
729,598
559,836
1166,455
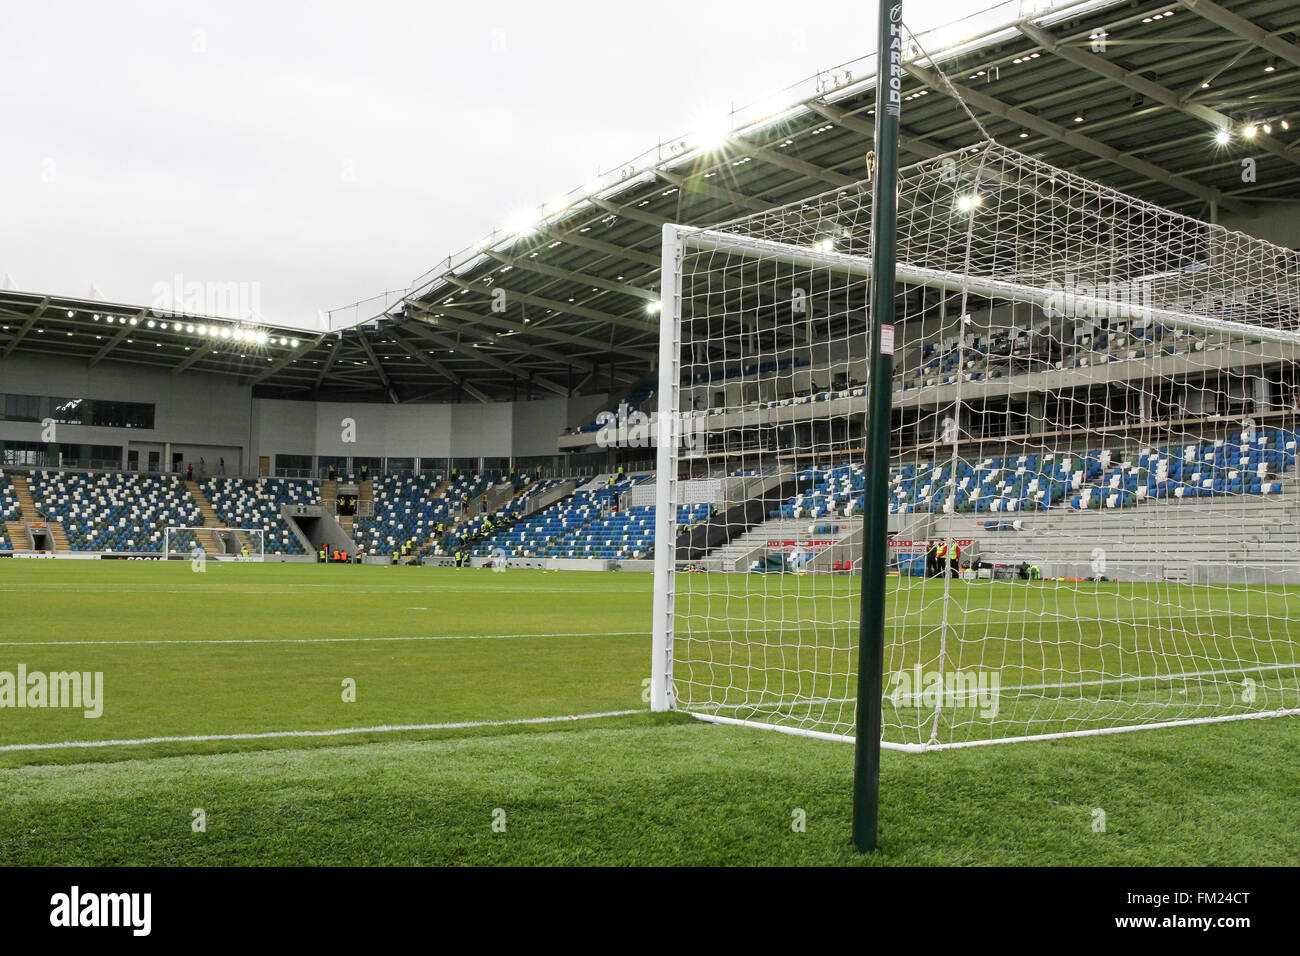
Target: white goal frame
256,537
672,425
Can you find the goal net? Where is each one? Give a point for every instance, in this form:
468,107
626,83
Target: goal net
1092,480
223,544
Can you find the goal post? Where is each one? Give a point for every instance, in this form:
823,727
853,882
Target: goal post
224,544
1091,475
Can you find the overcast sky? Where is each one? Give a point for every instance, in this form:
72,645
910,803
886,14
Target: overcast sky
320,152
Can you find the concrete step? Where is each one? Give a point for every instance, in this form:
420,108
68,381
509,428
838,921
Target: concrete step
16,532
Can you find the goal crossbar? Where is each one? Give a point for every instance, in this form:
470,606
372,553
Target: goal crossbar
985,286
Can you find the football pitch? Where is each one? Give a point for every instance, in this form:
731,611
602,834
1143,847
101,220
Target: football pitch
370,715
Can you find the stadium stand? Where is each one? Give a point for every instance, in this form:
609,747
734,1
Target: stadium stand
406,507
642,398
501,519
564,529
10,510
129,512
255,503
113,511
1097,478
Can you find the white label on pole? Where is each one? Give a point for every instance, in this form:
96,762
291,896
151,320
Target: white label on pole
886,340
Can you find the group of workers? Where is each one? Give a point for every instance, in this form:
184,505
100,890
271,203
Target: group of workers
327,555
942,559
403,553
462,547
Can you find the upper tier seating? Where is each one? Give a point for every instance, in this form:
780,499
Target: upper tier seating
640,398
991,354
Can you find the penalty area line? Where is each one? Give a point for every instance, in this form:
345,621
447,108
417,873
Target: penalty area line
341,732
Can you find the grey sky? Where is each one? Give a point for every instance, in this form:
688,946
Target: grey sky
327,151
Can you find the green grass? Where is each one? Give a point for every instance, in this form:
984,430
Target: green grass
473,646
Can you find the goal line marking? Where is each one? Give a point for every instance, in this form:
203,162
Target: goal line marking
951,697
984,742
272,735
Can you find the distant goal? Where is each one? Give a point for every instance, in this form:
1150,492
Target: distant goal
222,544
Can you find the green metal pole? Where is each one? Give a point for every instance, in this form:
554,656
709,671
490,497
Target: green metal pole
875,545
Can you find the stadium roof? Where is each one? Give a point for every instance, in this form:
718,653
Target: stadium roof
1160,100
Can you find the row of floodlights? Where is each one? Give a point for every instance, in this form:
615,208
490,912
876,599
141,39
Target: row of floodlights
253,336
1249,131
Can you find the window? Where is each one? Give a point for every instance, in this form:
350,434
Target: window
22,408
121,415
28,453
105,456
293,466
77,411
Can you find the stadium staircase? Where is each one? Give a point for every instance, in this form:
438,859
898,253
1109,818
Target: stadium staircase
23,492
441,490
19,533
16,532
439,495
59,536
365,492
208,539
16,536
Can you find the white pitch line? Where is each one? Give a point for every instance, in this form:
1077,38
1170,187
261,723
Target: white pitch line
292,588
323,640
381,729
